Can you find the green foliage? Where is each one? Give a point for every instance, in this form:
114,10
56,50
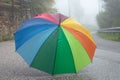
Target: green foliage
16,11
7,1
104,20
41,6
6,37
110,17
110,36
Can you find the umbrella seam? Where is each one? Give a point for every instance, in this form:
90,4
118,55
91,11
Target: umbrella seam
81,43
25,22
55,56
38,50
71,52
30,38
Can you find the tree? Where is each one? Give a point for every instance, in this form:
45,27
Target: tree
17,11
110,17
40,6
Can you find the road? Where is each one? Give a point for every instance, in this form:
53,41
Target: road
103,44
105,65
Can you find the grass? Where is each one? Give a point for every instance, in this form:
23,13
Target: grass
6,38
110,36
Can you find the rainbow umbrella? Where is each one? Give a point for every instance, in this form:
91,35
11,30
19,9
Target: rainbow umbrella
54,43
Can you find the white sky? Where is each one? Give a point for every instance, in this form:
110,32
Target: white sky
62,6
90,6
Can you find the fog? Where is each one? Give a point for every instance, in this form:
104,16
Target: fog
84,11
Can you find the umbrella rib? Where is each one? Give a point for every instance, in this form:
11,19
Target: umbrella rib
73,59
86,32
30,37
83,48
55,57
71,54
41,46
80,40
33,20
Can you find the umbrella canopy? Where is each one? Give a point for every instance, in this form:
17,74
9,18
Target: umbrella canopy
54,43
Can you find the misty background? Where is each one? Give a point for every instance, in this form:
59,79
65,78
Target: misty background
101,16
84,11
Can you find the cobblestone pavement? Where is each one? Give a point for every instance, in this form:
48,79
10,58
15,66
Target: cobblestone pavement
105,66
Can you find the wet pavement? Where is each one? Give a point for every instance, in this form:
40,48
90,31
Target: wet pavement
105,65
108,45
